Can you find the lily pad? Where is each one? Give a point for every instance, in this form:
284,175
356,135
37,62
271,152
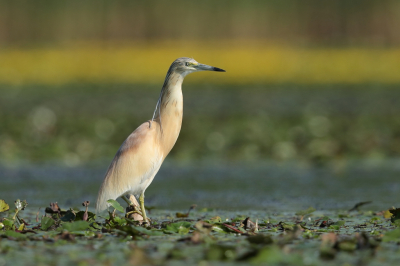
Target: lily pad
14,234
8,224
179,227
75,226
392,236
69,216
46,223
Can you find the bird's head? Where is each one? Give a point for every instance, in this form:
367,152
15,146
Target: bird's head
186,65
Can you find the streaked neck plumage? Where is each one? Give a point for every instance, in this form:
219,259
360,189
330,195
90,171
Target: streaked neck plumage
169,110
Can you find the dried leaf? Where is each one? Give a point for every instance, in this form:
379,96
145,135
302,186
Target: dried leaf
22,227
250,225
67,236
234,229
54,207
4,206
85,214
387,214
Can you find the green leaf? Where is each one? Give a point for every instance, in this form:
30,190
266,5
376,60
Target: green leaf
260,239
347,246
220,228
238,218
119,221
392,236
46,223
4,206
75,226
168,232
286,226
241,229
95,226
397,223
305,212
69,216
90,234
340,223
9,224
138,231
115,204
334,227
374,219
152,232
273,255
179,227
395,216
183,230
14,234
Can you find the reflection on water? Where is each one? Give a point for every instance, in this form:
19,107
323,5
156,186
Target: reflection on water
262,186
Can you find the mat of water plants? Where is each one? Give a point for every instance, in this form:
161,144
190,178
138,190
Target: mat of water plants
54,236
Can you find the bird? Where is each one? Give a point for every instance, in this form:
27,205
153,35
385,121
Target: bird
141,155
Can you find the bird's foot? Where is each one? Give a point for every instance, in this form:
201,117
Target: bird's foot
133,212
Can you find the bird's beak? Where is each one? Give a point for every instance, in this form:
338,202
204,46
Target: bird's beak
209,68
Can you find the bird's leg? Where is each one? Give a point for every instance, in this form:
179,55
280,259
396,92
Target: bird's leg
125,198
141,200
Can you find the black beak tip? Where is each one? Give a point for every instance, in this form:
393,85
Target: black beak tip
218,69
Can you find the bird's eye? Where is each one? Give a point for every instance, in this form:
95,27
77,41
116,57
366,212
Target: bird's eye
187,64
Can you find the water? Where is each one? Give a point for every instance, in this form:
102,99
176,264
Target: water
318,130
271,185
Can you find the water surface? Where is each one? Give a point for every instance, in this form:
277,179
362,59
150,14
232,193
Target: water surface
259,186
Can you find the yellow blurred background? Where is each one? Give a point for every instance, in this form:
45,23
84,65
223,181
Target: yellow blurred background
255,62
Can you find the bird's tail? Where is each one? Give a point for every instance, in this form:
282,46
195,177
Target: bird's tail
101,204
105,193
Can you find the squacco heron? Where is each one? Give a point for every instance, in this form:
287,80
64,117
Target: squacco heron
140,156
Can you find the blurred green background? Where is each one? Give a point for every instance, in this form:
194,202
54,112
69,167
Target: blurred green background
308,80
